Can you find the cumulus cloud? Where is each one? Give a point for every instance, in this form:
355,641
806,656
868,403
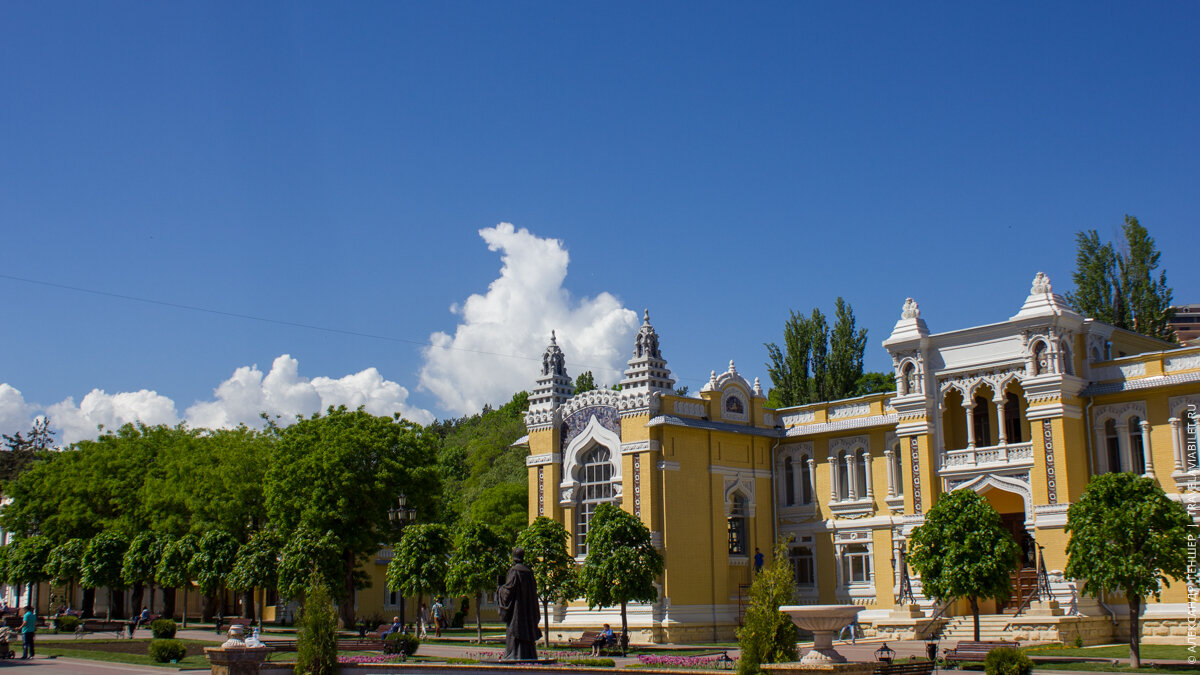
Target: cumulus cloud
515,317
282,391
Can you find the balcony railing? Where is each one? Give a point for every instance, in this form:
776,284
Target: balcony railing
991,455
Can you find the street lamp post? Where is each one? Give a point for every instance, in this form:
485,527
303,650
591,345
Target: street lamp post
401,516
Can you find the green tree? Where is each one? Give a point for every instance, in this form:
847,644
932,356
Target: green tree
585,382
341,472
214,559
816,364
20,452
621,563
768,635
1120,287
875,383
102,562
316,638
65,565
1127,535
140,564
964,550
478,558
256,566
545,544
306,553
27,563
419,560
175,570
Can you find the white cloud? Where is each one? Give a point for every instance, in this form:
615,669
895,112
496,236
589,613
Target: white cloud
238,400
515,317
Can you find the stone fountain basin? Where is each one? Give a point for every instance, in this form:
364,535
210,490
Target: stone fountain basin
822,617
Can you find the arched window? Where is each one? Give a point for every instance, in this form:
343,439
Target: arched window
843,474
1012,418
733,404
1095,354
789,480
805,481
982,422
737,525
595,488
1041,358
898,469
908,379
1112,446
860,474
1137,456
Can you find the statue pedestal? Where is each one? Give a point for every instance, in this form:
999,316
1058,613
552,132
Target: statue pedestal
236,660
908,612
1044,608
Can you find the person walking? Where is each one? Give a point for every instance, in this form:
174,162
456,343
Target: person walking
439,615
423,622
28,628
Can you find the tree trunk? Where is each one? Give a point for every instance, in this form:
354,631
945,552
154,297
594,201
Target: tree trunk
151,597
207,603
624,629
1135,631
135,598
168,603
32,586
546,616
478,618
248,608
116,603
184,612
89,603
975,615
348,604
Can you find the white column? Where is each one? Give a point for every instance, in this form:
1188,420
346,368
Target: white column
1177,449
970,425
1001,432
833,478
851,477
1146,450
891,473
812,479
867,465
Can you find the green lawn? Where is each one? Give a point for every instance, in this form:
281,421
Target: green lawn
1148,652
80,650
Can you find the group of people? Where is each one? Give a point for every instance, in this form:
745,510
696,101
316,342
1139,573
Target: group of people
28,629
424,621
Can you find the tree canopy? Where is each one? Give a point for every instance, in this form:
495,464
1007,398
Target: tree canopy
768,635
478,558
1127,535
964,550
419,560
546,553
621,564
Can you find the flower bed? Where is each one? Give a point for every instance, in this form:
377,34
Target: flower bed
710,662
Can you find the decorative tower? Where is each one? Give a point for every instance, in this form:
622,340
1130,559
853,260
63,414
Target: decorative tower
554,387
647,371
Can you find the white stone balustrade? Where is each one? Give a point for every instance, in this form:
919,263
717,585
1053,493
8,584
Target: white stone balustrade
988,456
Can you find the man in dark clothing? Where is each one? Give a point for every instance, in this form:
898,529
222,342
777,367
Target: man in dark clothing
519,609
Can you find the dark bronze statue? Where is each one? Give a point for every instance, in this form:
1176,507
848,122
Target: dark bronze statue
519,610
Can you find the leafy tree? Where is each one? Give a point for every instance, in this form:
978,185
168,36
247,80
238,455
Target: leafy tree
505,505
175,569
1119,286
816,364
316,638
213,562
102,562
964,550
419,560
585,382
621,563
768,635
65,564
1127,535
875,383
141,564
307,553
340,472
478,558
19,452
27,563
545,544
255,566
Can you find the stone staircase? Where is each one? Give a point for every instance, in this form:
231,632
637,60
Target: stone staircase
991,627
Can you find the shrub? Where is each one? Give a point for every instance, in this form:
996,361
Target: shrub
1007,661
593,663
163,629
401,643
166,651
316,642
66,623
458,619
1078,641
768,635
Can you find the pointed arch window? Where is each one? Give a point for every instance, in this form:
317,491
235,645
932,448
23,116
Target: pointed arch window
1041,358
595,488
789,480
738,514
982,421
898,469
860,474
843,476
1112,446
1012,418
806,496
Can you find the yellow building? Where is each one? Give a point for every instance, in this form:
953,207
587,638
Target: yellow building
1022,411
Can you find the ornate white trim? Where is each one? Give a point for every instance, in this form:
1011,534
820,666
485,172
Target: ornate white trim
849,444
640,446
664,465
1051,515
1120,413
541,460
842,425
734,392
595,397
743,484
1178,405
593,433
802,417
857,409
1173,364
981,484
690,408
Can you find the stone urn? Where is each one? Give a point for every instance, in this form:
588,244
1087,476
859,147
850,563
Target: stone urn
234,657
824,621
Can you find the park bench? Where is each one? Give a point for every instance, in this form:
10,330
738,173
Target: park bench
590,636
915,667
975,651
101,626
377,634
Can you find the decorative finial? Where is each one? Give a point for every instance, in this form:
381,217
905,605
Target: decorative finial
645,316
712,378
1041,284
757,388
553,340
731,368
911,310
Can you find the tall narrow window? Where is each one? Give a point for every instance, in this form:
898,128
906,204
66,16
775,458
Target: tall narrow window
1012,418
860,474
789,479
843,473
1137,456
805,567
737,525
982,421
595,488
1112,446
805,481
898,469
856,564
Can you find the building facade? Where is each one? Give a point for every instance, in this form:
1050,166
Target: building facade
1023,411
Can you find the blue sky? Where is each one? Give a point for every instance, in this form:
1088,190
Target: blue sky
334,165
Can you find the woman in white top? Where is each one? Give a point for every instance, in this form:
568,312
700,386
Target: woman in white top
422,621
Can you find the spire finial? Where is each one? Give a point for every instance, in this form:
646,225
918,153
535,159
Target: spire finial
732,369
553,340
645,316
